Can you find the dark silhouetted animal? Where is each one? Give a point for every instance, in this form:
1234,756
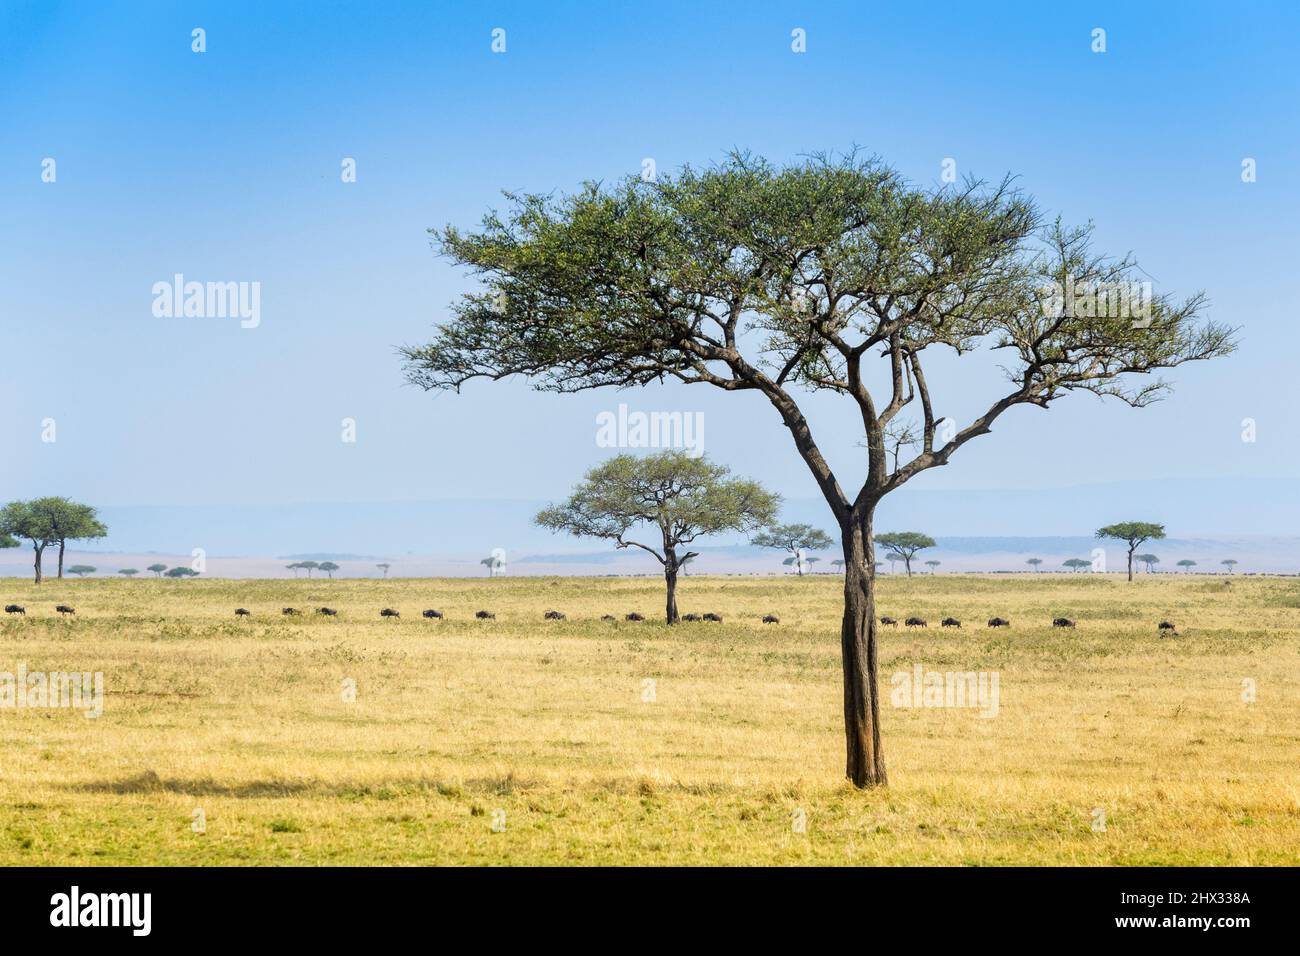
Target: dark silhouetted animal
611,617
389,612
951,622
889,622
327,611
1062,622
915,622
771,619
998,622
634,616
715,618
64,609
290,610
690,617
1166,626
15,609
554,616
485,615
242,612
433,615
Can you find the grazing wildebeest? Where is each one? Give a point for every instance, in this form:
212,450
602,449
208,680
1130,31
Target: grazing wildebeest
389,612
554,616
634,616
611,617
690,617
1166,626
327,611
771,619
485,615
433,615
242,612
65,609
889,622
715,618
1062,622
289,610
915,622
951,622
15,609
999,622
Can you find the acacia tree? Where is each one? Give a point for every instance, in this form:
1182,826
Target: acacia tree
1187,564
129,572
1076,564
1229,563
1034,563
676,496
1150,560
33,520
158,569
753,278
794,538
329,567
72,521
384,567
81,570
1134,534
905,544
932,564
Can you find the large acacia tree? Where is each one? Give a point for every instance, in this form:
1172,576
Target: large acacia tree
775,280
672,495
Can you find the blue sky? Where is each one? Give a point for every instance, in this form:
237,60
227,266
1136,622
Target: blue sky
225,166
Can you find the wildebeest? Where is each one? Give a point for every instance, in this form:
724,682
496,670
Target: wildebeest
15,609
690,617
889,622
433,615
1062,622
289,610
1166,626
389,612
242,612
915,622
485,615
715,618
611,617
554,616
951,622
65,609
771,619
999,622
327,611
634,616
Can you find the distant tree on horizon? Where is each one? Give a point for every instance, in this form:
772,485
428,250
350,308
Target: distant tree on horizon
1187,564
932,564
182,572
906,544
157,569
838,565
674,496
384,567
1150,560
1229,563
81,570
893,557
1133,533
129,572
492,563
794,539
1034,563
329,567
1076,564
308,566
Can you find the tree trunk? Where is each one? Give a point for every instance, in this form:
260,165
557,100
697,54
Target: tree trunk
865,765
670,579
61,545
38,562
1130,564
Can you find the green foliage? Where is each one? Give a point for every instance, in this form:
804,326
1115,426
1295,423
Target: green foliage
6,541
81,570
157,569
1132,532
329,567
129,572
182,572
1076,564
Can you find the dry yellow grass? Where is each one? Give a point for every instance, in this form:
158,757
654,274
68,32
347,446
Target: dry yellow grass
457,722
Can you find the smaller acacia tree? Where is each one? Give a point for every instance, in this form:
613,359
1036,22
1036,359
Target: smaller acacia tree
1228,563
1076,564
1150,560
129,572
1034,563
932,564
329,567
1134,534
81,570
384,567
1187,564
794,538
677,497
905,544
157,569
182,572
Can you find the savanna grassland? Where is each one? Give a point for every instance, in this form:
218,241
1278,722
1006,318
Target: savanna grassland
457,721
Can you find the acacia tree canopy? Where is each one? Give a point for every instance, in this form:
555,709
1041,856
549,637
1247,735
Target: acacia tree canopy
1133,533
675,496
832,274
794,538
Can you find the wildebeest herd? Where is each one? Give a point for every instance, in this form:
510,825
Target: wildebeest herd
1165,627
